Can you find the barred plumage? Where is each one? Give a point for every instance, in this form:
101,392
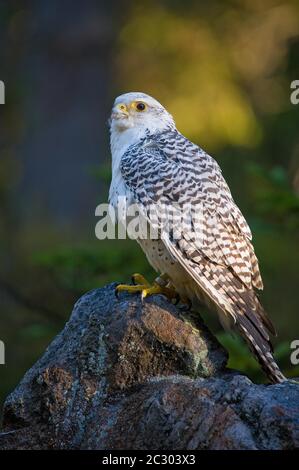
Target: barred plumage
213,259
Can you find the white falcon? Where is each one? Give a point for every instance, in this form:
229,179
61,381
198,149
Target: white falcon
212,260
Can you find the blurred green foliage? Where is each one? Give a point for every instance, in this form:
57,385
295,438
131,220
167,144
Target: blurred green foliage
223,69
86,267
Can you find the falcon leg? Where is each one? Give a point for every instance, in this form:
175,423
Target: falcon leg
161,285
139,279
164,280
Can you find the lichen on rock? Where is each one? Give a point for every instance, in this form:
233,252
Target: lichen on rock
127,374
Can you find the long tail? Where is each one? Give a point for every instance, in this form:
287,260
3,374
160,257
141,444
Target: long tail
237,305
261,347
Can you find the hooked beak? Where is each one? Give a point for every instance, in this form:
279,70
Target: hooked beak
120,111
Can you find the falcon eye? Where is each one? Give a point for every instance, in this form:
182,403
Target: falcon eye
140,106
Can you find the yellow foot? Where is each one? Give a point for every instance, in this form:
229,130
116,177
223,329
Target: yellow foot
159,286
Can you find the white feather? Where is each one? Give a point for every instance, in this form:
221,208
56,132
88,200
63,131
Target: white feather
127,130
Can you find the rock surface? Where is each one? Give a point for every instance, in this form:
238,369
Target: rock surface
130,375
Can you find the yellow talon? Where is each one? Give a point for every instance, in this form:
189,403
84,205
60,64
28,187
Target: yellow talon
129,288
156,288
160,286
139,279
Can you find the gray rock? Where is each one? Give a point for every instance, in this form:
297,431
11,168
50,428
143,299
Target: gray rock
130,375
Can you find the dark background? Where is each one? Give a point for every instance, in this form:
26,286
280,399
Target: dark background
223,69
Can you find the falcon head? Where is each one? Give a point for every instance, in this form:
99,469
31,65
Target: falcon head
139,111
